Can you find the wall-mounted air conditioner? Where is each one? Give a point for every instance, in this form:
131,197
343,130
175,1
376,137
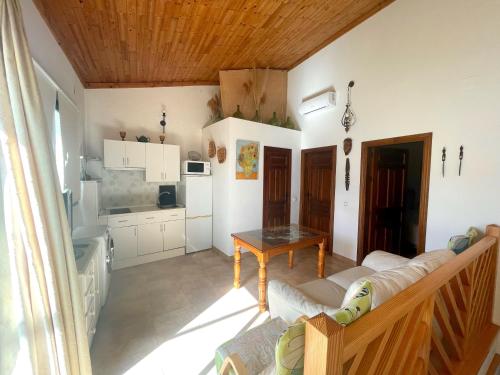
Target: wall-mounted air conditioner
324,101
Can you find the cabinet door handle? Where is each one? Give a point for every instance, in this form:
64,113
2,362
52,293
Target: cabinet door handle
135,232
123,161
127,161
122,221
149,218
161,227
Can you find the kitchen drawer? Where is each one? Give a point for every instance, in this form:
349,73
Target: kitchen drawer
150,217
175,214
122,221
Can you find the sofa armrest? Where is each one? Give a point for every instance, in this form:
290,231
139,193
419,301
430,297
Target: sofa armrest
381,260
290,303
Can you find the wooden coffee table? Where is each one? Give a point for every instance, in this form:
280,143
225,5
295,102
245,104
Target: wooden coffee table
268,242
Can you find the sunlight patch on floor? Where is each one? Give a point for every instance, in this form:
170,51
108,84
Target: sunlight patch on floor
192,350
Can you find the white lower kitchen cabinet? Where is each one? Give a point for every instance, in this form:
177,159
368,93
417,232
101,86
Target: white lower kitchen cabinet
150,238
147,236
125,240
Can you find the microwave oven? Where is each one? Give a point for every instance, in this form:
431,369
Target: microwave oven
196,167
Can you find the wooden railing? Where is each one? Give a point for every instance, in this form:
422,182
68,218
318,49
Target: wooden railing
439,325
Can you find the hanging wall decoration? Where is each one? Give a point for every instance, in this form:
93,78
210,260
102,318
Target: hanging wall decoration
347,145
247,160
221,154
211,149
443,159
460,157
348,118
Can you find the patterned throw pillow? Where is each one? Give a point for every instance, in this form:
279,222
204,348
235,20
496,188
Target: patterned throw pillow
459,243
359,305
473,234
290,346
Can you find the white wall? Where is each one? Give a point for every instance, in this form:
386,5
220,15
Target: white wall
419,66
237,204
139,110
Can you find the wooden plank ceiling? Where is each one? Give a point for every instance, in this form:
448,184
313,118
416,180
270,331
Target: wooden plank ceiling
134,43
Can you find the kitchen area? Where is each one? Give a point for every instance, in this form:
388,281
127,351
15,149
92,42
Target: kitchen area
139,204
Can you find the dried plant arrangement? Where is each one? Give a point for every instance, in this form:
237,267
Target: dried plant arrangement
215,105
256,93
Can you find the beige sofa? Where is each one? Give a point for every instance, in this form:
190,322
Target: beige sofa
388,273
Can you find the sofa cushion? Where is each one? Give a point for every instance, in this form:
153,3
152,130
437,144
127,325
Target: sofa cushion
323,291
431,260
347,277
289,303
289,352
379,260
386,284
359,305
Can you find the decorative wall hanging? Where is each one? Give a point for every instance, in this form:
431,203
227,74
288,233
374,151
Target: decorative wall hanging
460,157
348,118
247,160
347,145
443,159
163,123
221,154
211,149
347,174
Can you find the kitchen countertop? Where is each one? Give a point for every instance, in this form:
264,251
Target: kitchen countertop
88,252
138,209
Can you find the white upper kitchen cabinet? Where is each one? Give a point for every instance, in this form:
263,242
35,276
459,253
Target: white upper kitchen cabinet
124,154
163,163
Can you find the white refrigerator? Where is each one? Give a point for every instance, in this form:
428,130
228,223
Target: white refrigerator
195,192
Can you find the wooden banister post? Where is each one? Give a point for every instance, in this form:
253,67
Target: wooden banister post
494,231
324,346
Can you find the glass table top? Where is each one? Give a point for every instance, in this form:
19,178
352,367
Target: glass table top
268,238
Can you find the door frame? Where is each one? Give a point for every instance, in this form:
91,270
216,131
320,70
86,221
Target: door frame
426,138
303,153
288,199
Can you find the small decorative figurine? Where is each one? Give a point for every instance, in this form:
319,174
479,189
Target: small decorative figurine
123,134
349,118
143,139
443,159
162,138
460,157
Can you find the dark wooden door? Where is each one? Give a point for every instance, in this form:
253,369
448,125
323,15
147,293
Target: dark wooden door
387,169
318,189
277,185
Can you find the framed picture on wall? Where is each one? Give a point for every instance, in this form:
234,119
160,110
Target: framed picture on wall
247,160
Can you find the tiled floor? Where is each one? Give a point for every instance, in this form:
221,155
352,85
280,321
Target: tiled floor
168,317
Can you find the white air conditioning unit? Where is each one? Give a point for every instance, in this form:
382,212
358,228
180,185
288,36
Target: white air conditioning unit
326,100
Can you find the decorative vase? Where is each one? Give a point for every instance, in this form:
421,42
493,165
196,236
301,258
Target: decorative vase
238,113
123,134
256,118
274,120
288,123
162,138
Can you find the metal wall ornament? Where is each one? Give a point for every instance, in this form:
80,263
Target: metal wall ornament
347,145
348,118
460,157
443,159
163,123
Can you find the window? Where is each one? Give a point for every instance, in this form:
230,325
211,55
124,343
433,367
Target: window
58,144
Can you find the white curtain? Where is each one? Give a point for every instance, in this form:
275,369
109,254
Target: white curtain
43,329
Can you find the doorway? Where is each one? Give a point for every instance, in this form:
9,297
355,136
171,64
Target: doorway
317,189
393,195
277,186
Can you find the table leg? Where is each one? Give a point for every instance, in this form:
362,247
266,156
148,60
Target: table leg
237,264
290,259
262,285
321,260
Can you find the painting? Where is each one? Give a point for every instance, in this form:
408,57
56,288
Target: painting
247,160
